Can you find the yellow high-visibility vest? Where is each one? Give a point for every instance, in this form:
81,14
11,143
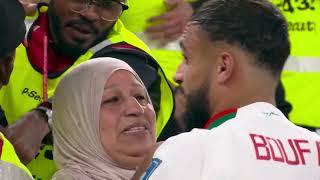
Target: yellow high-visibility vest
301,75
24,91
10,165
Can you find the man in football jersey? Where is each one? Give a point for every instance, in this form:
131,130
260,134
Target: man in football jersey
234,53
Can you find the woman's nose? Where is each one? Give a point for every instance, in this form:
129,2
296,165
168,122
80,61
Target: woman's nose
134,108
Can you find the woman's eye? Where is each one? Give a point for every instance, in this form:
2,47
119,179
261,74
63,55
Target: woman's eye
142,99
111,100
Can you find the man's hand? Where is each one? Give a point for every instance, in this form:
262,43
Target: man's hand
170,25
27,134
30,7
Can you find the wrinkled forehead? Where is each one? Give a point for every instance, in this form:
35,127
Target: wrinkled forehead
123,78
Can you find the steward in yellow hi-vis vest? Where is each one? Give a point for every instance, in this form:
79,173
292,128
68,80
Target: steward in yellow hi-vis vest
301,76
45,58
10,165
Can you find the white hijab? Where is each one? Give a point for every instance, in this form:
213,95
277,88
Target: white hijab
78,151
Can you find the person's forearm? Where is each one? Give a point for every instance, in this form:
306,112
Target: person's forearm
26,135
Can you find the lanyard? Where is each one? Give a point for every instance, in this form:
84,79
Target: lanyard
45,69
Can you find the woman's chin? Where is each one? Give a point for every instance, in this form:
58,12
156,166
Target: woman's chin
137,150
131,162
132,150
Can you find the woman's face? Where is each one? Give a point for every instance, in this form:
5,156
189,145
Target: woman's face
127,120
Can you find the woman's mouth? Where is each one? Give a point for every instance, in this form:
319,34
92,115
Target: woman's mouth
136,128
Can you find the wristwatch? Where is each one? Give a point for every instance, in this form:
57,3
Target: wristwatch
47,112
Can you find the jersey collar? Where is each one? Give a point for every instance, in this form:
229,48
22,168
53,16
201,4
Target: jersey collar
220,118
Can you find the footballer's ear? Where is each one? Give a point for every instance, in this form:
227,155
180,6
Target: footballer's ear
225,67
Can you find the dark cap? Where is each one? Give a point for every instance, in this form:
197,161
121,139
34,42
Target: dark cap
12,27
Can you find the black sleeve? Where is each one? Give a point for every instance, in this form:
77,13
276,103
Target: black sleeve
281,103
144,66
3,119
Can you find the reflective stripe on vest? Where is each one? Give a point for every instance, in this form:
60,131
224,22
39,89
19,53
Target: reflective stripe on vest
301,81
10,165
302,64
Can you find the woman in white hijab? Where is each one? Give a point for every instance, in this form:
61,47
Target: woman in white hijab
103,122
